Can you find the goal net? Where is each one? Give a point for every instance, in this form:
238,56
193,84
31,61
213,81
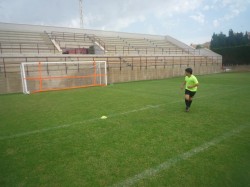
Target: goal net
48,76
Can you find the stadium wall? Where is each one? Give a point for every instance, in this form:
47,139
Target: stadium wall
119,68
236,68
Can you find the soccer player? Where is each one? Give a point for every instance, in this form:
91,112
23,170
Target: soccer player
191,83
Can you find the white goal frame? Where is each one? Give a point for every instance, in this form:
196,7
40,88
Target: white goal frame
49,76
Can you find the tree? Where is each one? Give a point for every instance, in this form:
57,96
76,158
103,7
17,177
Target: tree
233,39
198,46
246,40
234,48
218,40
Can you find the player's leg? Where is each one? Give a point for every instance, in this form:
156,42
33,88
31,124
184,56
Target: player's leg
191,98
187,101
187,98
190,101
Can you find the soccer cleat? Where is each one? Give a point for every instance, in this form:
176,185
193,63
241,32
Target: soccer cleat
187,109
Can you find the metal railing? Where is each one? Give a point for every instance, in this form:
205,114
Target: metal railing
23,48
10,64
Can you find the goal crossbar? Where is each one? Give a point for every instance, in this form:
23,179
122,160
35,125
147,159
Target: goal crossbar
49,76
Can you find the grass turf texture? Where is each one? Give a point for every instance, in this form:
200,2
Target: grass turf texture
58,139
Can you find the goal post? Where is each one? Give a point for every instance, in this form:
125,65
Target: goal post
48,76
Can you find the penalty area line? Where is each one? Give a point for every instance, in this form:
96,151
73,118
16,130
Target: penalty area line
148,173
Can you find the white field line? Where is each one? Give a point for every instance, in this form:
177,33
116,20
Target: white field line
95,119
184,156
46,129
80,122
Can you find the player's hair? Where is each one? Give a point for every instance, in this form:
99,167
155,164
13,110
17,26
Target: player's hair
189,70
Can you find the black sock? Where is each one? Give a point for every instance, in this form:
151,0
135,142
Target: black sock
189,103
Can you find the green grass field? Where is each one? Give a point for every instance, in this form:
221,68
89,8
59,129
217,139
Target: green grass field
58,139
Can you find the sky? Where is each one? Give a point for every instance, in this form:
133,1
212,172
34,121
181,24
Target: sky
190,21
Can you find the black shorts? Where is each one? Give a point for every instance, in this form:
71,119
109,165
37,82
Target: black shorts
190,93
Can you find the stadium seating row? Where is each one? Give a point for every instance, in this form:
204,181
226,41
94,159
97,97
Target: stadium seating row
26,42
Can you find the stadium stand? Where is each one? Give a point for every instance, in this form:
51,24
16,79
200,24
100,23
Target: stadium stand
16,42
129,56
71,40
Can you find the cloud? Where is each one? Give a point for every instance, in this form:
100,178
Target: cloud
206,7
122,23
232,14
199,17
34,12
74,23
186,6
216,23
224,11
123,14
174,7
229,10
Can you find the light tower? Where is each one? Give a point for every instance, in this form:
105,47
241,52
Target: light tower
81,13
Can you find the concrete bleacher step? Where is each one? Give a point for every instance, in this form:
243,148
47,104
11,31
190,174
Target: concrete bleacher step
18,42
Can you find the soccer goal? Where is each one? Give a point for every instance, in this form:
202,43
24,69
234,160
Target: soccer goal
48,76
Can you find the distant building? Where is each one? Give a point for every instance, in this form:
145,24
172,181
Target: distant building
198,46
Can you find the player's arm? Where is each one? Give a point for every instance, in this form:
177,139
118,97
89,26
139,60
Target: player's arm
183,84
194,85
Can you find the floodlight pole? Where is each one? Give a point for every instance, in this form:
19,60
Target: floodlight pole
81,13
